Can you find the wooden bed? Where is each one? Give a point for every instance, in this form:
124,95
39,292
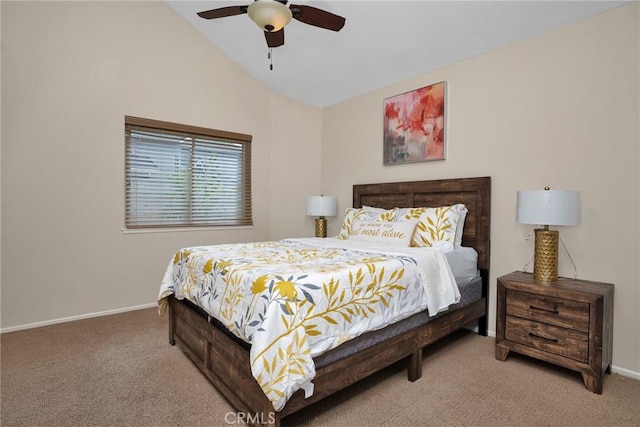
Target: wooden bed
224,359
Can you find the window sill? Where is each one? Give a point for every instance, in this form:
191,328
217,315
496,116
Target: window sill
182,229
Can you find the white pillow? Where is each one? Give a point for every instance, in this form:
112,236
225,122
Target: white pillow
442,246
385,232
462,212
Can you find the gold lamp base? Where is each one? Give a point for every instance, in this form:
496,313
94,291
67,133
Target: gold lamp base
321,227
545,264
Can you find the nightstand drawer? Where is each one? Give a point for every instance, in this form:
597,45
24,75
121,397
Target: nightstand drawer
552,339
554,311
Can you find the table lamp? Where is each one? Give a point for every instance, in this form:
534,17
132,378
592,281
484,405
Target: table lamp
547,207
321,206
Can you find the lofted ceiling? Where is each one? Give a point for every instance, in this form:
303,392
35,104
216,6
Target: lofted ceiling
382,42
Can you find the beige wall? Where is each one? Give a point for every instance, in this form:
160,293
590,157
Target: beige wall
558,110
71,71
295,174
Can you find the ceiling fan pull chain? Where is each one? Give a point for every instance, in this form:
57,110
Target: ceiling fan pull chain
270,56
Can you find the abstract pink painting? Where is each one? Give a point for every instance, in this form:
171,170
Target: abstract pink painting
414,126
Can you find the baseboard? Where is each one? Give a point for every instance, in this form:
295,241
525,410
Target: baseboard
73,318
625,372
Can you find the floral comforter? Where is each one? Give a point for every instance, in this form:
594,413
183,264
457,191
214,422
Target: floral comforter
297,298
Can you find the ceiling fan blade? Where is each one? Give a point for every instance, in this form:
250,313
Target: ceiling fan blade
317,17
275,38
223,12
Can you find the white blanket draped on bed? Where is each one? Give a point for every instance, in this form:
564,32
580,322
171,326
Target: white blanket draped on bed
297,298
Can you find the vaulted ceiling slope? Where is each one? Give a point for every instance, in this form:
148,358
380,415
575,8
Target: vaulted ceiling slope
382,43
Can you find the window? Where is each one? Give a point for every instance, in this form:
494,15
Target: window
185,176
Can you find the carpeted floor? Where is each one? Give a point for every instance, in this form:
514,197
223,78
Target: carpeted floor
120,371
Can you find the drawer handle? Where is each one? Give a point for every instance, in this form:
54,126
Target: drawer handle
533,307
542,338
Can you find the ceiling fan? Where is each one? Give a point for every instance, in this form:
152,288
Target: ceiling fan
272,15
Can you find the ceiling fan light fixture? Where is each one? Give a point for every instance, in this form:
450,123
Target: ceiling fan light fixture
269,15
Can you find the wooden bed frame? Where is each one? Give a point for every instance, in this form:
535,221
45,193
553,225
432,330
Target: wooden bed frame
224,359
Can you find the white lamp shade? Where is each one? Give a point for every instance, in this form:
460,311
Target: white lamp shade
269,13
549,207
322,206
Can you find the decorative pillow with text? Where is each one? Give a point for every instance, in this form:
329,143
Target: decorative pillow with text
385,232
382,214
352,214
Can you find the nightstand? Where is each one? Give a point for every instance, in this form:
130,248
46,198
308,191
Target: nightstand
568,323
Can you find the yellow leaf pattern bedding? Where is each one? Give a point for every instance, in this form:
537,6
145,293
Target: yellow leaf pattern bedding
295,299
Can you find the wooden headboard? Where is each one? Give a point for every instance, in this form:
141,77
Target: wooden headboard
474,193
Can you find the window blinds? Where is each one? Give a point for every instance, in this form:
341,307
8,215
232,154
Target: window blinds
185,176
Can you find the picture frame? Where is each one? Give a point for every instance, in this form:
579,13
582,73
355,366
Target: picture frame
415,126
